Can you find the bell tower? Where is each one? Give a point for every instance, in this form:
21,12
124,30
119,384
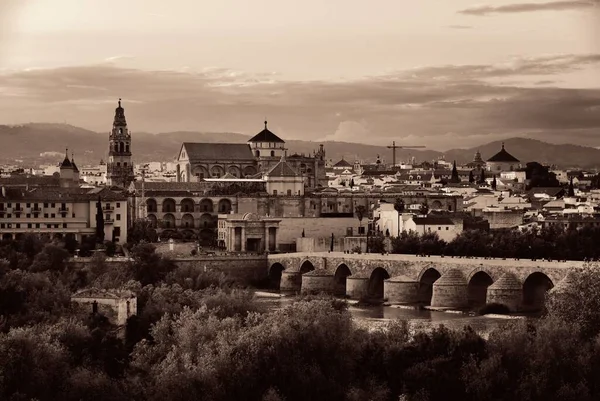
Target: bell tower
119,169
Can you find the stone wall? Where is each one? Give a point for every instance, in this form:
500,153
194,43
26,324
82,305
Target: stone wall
291,228
503,219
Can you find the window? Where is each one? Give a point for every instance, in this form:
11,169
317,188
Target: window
8,216
29,225
117,232
28,215
37,225
118,164
53,215
9,204
18,225
274,193
2,225
45,205
119,217
439,228
64,225
53,205
45,215
73,214
446,228
118,204
56,226
28,204
289,192
272,153
48,225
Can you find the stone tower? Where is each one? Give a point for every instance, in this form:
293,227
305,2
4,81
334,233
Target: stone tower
119,169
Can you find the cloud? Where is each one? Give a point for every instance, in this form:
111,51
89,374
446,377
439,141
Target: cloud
528,7
460,26
439,106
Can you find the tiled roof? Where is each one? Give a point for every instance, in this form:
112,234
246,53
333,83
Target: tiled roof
266,136
60,195
433,220
33,180
503,157
218,151
342,163
282,169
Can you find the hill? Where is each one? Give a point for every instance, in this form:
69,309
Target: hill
42,143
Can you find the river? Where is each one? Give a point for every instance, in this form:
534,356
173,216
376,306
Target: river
374,317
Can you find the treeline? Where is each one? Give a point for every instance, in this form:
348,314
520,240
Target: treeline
198,336
551,242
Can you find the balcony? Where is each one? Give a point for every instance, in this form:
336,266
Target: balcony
36,210
108,208
109,221
63,209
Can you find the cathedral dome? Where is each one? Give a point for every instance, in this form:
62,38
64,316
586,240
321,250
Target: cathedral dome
266,136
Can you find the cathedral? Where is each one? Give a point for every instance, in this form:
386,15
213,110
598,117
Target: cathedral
119,170
199,161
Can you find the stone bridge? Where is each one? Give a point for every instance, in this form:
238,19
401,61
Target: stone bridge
442,282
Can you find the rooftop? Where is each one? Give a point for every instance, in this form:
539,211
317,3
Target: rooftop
503,157
266,136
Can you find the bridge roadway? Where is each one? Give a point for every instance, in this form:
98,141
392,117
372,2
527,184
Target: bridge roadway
442,282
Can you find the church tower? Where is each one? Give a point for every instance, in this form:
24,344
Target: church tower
119,169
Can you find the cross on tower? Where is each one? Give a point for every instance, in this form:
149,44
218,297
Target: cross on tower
394,147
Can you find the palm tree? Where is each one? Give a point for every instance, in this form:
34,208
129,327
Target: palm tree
399,206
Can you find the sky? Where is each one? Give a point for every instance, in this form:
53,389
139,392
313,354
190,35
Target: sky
438,73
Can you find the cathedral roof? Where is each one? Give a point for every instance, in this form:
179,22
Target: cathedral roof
342,163
503,157
266,136
282,169
218,151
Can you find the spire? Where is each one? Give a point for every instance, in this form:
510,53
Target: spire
66,162
502,145
120,120
265,123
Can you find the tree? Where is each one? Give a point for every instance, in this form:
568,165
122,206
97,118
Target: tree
424,209
482,177
399,206
99,222
455,179
540,176
141,230
471,177
351,183
494,183
571,188
360,213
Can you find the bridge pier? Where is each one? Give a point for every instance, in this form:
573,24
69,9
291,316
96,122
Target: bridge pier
507,291
450,291
290,281
318,282
401,290
357,287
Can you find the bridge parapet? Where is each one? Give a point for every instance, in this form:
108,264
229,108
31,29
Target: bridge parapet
403,273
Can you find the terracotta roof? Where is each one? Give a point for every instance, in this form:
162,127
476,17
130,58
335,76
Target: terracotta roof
266,136
503,157
32,180
218,151
282,169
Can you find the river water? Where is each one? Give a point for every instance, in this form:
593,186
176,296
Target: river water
375,317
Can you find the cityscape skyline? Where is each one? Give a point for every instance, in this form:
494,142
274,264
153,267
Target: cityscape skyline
442,76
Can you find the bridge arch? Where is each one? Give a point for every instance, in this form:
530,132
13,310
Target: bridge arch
478,284
376,282
275,272
535,287
426,280
306,266
341,273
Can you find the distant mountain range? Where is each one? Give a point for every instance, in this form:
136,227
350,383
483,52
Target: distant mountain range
35,144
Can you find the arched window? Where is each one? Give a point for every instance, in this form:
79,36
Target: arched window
118,164
258,153
121,147
272,153
127,148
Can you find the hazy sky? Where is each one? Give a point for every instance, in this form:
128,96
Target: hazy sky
441,73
